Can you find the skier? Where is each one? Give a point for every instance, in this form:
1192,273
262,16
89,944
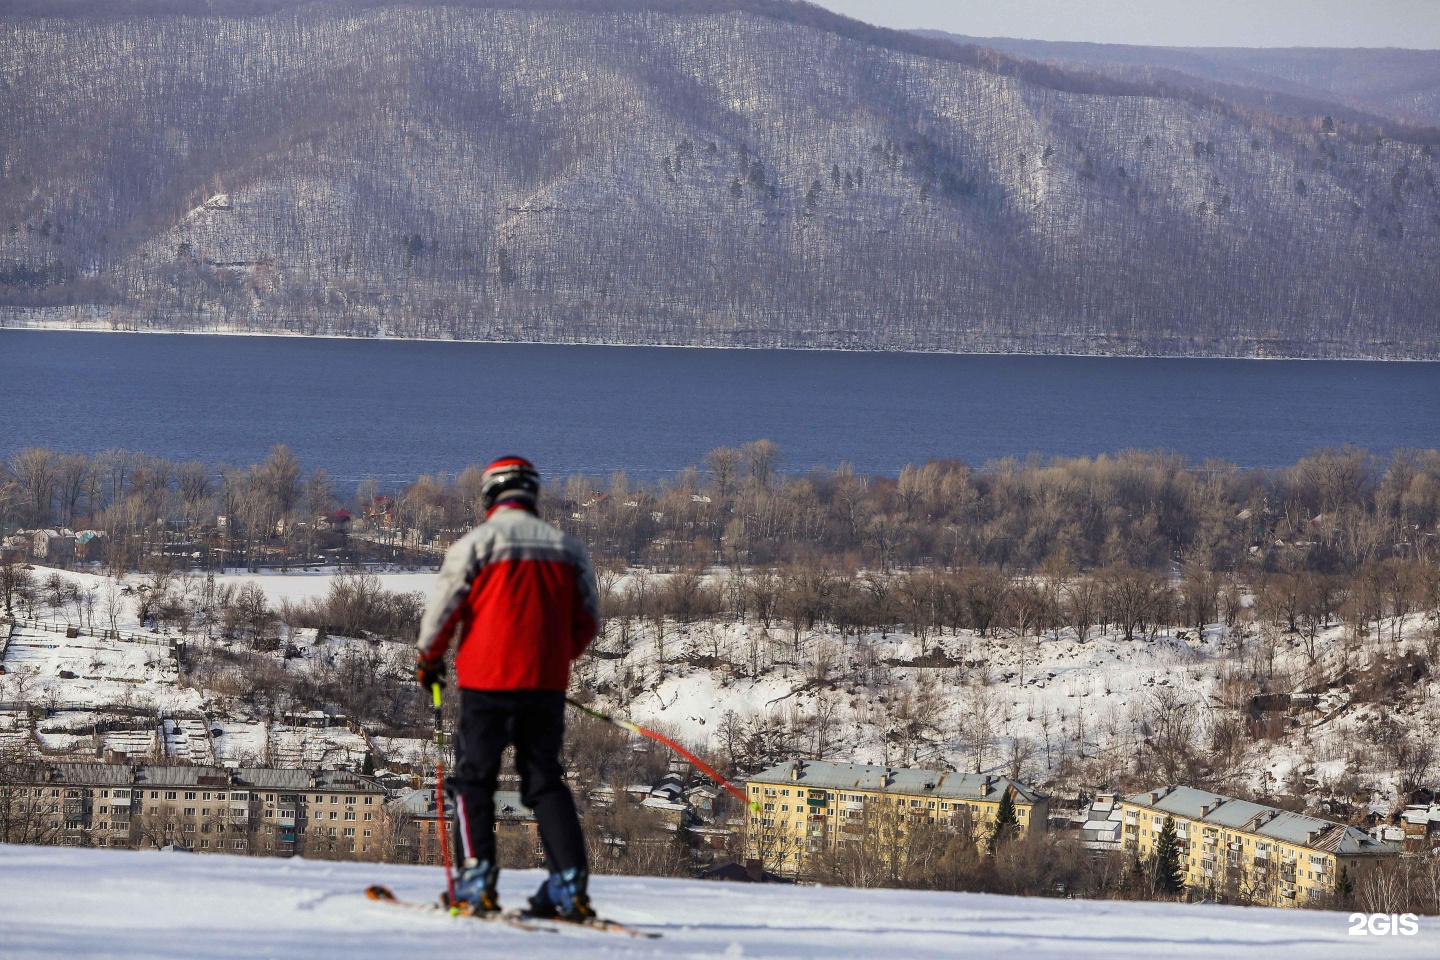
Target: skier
519,598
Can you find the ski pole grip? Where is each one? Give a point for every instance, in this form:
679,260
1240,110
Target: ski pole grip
435,694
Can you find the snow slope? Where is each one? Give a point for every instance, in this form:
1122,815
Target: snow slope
58,902
303,584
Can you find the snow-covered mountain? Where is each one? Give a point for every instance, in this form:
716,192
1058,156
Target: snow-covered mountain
76,904
745,173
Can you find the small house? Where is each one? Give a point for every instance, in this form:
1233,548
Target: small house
53,546
339,521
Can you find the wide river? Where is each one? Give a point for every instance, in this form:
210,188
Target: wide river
393,409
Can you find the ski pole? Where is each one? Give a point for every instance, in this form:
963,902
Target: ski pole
443,825
636,728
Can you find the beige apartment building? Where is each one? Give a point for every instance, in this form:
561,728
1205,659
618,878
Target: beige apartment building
416,816
254,810
807,807
1248,850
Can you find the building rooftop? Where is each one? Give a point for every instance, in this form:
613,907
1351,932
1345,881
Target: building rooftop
1284,826
1422,814
824,774
421,804
256,778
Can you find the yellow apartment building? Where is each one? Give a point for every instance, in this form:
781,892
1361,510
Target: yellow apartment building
1248,850
807,807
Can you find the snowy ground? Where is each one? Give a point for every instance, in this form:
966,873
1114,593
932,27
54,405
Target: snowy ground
106,672
316,583
130,905
282,745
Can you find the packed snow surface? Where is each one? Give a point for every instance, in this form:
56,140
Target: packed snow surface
56,902
301,585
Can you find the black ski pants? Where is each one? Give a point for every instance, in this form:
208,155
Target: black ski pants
534,721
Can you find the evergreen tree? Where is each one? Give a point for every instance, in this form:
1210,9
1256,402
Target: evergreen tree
368,768
1006,823
1169,877
1344,886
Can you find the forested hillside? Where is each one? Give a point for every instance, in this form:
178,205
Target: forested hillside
754,173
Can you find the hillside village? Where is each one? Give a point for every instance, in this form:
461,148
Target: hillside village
260,632
87,712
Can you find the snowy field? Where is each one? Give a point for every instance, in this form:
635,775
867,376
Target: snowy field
131,905
316,583
104,672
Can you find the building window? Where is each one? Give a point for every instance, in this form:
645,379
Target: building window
189,794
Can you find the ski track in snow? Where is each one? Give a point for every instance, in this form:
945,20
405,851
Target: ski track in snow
125,905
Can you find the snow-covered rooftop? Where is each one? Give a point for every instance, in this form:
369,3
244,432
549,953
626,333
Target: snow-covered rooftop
1282,825
864,776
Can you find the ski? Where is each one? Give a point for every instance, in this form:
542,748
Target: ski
511,918
518,919
600,924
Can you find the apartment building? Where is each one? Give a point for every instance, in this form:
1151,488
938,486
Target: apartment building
1249,850
254,810
417,831
808,806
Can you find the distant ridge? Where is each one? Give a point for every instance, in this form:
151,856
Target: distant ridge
1391,86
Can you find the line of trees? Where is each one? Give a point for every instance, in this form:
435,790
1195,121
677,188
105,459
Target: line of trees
1333,512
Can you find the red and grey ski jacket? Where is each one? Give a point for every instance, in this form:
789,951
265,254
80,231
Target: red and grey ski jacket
520,597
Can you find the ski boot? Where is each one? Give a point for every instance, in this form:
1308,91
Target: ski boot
475,891
562,897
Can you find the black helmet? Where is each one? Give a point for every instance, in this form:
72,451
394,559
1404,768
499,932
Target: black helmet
513,478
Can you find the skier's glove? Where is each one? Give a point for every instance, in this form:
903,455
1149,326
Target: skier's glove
428,674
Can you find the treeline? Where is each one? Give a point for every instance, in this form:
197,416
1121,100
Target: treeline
1335,512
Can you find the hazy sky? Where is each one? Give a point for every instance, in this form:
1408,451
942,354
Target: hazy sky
1190,23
